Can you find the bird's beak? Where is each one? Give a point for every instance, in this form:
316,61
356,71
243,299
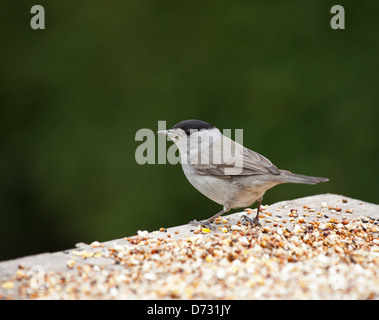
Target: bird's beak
164,132
169,133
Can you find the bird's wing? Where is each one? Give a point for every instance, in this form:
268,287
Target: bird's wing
239,161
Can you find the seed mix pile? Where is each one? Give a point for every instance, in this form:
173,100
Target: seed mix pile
336,258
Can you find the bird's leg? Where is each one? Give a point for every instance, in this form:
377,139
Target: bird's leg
259,202
256,219
208,221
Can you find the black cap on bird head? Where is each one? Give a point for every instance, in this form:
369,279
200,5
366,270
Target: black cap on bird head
192,124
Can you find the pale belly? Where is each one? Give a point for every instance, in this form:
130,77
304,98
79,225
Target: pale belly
238,192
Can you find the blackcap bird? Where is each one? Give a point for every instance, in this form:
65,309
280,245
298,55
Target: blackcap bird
224,170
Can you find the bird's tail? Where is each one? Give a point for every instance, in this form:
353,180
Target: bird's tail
289,177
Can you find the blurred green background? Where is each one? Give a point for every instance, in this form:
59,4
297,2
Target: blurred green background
73,96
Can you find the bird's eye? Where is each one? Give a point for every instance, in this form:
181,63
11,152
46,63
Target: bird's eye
188,132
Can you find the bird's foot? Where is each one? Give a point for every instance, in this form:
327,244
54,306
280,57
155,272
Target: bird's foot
254,221
203,223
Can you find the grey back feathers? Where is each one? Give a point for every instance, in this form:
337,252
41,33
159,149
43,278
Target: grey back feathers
242,161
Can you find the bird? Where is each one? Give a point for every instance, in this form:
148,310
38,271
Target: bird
224,170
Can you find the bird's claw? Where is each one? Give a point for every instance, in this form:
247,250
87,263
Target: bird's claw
254,221
203,223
